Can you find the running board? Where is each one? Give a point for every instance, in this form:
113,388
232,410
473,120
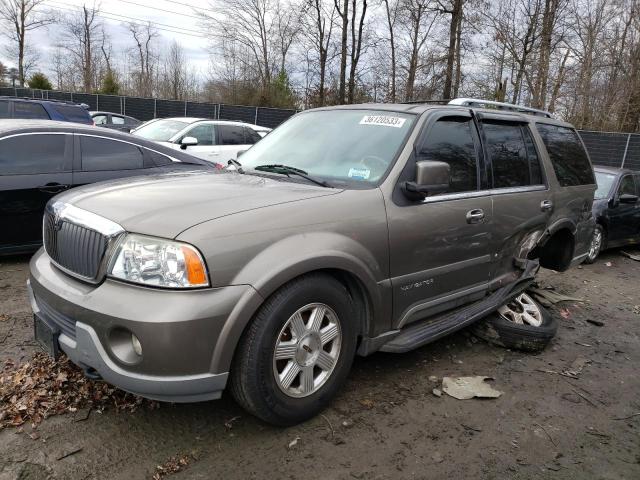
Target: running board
421,333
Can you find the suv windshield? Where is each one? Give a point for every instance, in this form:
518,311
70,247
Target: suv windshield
161,130
604,181
354,146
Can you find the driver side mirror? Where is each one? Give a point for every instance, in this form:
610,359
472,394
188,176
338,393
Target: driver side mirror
628,198
188,142
431,177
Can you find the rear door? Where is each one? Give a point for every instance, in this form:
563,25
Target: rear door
34,167
440,253
231,139
623,217
576,184
522,201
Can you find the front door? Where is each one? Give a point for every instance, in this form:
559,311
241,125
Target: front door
440,247
623,217
207,147
35,167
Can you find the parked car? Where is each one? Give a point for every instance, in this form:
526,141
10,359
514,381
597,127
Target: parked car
37,109
347,229
115,121
616,210
212,140
39,159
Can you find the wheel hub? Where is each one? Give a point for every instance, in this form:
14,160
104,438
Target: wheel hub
308,349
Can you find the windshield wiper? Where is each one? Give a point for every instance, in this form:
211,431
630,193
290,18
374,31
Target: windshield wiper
237,164
288,171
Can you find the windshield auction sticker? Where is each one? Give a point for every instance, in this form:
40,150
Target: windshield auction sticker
383,120
359,173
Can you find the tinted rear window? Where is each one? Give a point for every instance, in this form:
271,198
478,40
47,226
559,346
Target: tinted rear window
230,135
74,114
29,110
569,159
105,154
32,154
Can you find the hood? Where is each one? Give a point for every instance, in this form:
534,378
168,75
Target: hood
165,205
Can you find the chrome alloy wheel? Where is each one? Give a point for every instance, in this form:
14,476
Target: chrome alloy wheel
596,244
307,350
522,310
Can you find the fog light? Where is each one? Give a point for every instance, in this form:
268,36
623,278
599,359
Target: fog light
137,346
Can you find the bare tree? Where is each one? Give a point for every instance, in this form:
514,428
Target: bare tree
356,44
21,17
320,22
145,59
419,24
343,13
455,10
391,11
82,36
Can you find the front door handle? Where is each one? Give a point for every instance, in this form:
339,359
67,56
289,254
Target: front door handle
546,205
53,187
475,216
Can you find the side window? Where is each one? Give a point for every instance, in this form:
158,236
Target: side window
100,119
250,136
450,140
31,154
204,133
636,177
627,186
29,110
73,113
105,154
514,159
4,109
117,120
231,135
570,161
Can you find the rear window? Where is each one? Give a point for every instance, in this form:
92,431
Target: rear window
569,159
29,110
73,113
105,154
514,159
33,154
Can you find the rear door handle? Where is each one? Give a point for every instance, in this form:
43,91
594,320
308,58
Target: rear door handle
475,216
546,205
53,187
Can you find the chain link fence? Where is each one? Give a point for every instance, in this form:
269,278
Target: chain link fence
605,148
150,108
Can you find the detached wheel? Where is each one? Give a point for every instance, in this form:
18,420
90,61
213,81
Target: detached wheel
521,324
597,242
297,352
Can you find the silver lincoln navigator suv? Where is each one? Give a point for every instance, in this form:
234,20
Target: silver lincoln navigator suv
347,230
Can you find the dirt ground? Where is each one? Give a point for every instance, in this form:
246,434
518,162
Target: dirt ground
387,423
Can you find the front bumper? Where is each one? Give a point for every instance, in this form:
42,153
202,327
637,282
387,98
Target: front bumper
178,331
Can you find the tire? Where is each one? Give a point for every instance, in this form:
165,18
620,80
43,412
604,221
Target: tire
597,244
282,391
501,329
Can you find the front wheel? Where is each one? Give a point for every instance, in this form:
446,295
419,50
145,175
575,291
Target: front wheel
597,241
297,352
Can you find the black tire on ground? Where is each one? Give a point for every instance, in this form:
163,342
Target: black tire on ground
498,330
252,378
594,252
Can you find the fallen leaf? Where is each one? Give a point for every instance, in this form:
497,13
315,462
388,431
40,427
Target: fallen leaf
464,388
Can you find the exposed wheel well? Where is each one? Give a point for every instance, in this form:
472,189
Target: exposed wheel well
557,252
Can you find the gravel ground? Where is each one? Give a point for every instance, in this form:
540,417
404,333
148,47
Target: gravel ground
387,423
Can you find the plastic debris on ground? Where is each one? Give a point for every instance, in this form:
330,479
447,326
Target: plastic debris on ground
464,388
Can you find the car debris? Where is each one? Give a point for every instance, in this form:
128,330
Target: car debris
464,388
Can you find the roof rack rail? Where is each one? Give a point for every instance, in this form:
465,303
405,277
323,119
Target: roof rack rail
475,102
54,100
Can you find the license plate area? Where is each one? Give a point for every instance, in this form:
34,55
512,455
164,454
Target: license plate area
47,336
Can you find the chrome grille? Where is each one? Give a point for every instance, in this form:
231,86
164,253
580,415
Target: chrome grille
75,248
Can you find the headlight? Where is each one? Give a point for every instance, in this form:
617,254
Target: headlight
159,262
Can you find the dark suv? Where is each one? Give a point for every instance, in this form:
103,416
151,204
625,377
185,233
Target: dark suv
36,109
346,230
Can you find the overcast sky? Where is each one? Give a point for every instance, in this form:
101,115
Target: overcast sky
174,20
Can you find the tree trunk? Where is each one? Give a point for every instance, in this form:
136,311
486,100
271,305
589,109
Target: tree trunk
392,93
344,15
456,14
